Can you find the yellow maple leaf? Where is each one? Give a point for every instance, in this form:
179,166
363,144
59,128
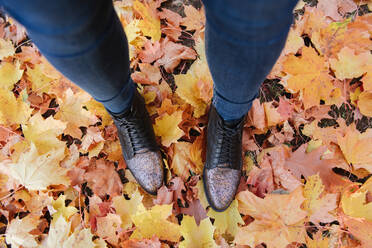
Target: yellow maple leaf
10,74
272,115
227,221
278,218
150,25
353,201
37,172
43,132
188,91
6,48
309,75
197,236
318,241
40,82
13,110
18,232
125,208
71,111
154,222
349,65
97,108
61,235
61,210
316,205
365,103
166,126
356,147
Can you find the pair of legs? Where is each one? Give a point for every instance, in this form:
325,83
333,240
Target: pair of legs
85,41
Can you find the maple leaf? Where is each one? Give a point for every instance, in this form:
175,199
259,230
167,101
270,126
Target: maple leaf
272,115
197,236
37,172
227,221
150,25
98,109
316,205
308,164
6,48
356,147
166,126
175,53
349,65
71,111
154,222
10,74
92,136
171,17
13,110
148,75
360,228
43,132
151,52
126,208
182,162
18,232
354,201
61,210
60,236
40,82
309,75
107,227
103,178
187,89
365,103
143,243
278,219
194,19
256,115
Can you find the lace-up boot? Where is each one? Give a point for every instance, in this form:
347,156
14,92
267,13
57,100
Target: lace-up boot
222,169
140,150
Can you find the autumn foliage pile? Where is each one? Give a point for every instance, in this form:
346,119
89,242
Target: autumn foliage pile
307,140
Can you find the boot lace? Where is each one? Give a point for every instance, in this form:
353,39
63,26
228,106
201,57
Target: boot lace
226,145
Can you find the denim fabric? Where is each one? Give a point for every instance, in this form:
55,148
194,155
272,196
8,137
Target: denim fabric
243,38
85,41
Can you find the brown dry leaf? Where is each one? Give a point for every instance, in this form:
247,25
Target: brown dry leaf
151,52
175,53
108,226
302,163
256,115
278,219
194,19
103,179
143,243
149,74
171,17
360,228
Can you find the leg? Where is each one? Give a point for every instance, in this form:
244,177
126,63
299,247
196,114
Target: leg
243,41
85,41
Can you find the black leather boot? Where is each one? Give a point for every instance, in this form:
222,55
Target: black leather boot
138,143
222,169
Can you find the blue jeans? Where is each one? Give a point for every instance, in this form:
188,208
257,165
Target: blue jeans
85,41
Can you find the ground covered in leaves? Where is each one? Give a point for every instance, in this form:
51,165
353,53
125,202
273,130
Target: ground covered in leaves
307,140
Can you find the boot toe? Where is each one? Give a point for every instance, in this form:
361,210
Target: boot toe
147,169
220,186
